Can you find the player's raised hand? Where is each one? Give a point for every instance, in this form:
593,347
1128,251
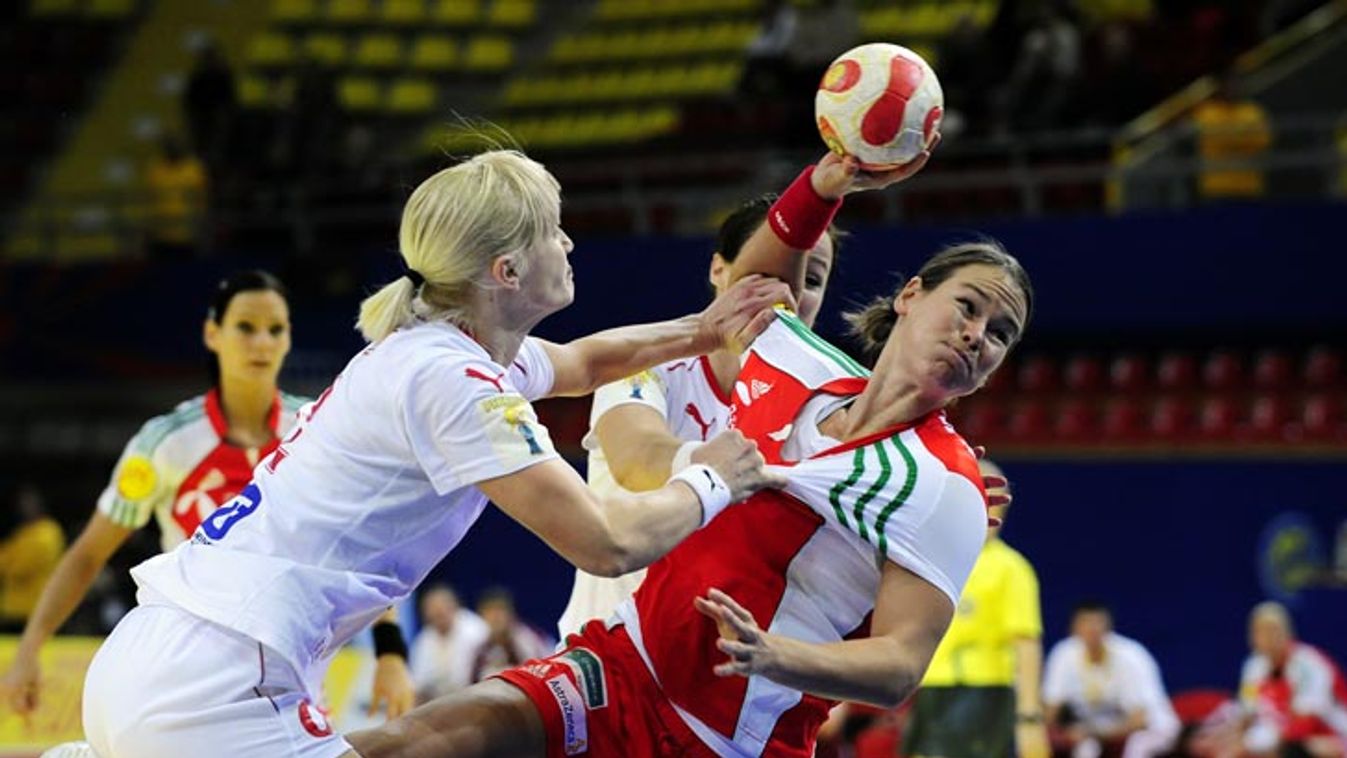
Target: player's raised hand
21,685
393,688
742,312
751,650
737,460
836,175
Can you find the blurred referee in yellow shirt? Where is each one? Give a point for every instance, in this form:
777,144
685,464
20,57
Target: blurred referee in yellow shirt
981,695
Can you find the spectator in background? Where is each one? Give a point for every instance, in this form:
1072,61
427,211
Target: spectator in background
1232,135
963,63
1104,693
767,69
209,102
444,652
29,552
510,641
987,668
1292,698
1047,71
824,31
176,182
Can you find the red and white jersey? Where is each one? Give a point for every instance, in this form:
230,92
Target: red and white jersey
369,492
807,564
1305,696
687,395
179,467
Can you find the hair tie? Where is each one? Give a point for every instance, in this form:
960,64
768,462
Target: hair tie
414,276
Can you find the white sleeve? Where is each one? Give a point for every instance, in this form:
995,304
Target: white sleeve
1311,679
944,547
464,430
1056,675
647,388
532,372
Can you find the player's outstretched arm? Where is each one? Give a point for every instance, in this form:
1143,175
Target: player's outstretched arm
627,531
910,617
20,687
734,319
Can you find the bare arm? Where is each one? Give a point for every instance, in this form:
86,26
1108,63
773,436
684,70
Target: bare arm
909,619
732,320
623,532
638,446
68,585
1031,734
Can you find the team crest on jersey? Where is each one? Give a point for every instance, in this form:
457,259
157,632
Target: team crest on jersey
637,384
137,479
588,670
314,719
509,421
574,722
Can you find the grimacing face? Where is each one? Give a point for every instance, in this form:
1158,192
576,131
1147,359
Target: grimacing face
954,336
252,338
547,277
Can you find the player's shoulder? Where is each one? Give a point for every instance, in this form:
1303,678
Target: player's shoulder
292,403
790,345
939,437
156,430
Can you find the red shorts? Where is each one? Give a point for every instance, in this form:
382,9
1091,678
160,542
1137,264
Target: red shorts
598,699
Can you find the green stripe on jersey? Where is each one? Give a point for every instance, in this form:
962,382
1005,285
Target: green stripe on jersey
157,429
835,494
885,471
903,494
818,343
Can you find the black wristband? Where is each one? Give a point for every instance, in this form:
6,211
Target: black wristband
1028,718
388,640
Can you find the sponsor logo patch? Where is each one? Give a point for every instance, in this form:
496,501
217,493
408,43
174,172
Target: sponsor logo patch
574,724
510,421
137,479
588,669
314,720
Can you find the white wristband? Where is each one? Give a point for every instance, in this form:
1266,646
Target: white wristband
683,457
711,490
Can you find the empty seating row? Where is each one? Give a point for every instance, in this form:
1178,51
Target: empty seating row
563,130
642,10
928,19
624,84
427,52
1269,369
83,9
406,13
660,42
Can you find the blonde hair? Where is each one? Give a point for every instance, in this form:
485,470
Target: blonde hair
454,225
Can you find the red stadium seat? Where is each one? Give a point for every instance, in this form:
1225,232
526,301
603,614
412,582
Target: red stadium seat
1128,372
1218,418
1272,370
1269,418
1172,418
1084,373
981,421
1029,421
1194,706
1076,420
1322,417
1037,374
1323,367
1122,419
1222,371
1177,371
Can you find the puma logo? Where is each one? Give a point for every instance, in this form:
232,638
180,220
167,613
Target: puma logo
710,479
695,413
495,381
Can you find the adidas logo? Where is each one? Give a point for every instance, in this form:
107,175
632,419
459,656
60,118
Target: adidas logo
760,388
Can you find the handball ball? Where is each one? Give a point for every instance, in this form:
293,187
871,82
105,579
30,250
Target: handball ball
880,103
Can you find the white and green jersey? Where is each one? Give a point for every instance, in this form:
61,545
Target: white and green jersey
179,466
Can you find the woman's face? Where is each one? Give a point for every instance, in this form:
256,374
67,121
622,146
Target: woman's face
954,336
548,281
253,338
817,270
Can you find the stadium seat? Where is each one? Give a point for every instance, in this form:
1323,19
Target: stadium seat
1128,373
1268,419
1076,420
1176,371
1218,418
348,12
1029,421
411,96
402,12
49,8
488,53
1122,420
982,421
432,52
255,92
1171,418
294,11
359,93
1321,417
1037,374
1195,706
1084,373
1222,370
1323,367
512,14
378,50
457,13
270,49
325,48
110,10
1271,370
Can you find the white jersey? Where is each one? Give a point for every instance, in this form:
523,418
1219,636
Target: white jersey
179,467
364,498
1103,694
687,395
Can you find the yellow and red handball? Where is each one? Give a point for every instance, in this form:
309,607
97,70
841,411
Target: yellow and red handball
880,103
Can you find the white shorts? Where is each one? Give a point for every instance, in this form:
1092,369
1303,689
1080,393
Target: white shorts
167,683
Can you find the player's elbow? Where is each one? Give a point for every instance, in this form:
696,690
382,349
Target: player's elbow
607,558
633,475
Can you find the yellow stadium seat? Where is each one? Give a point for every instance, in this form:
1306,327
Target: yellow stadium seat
568,48
402,12
513,14
110,9
412,96
270,49
622,45
349,12
378,50
488,53
359,93
256,92
456,12
294,11
53,7
434,53
325,48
